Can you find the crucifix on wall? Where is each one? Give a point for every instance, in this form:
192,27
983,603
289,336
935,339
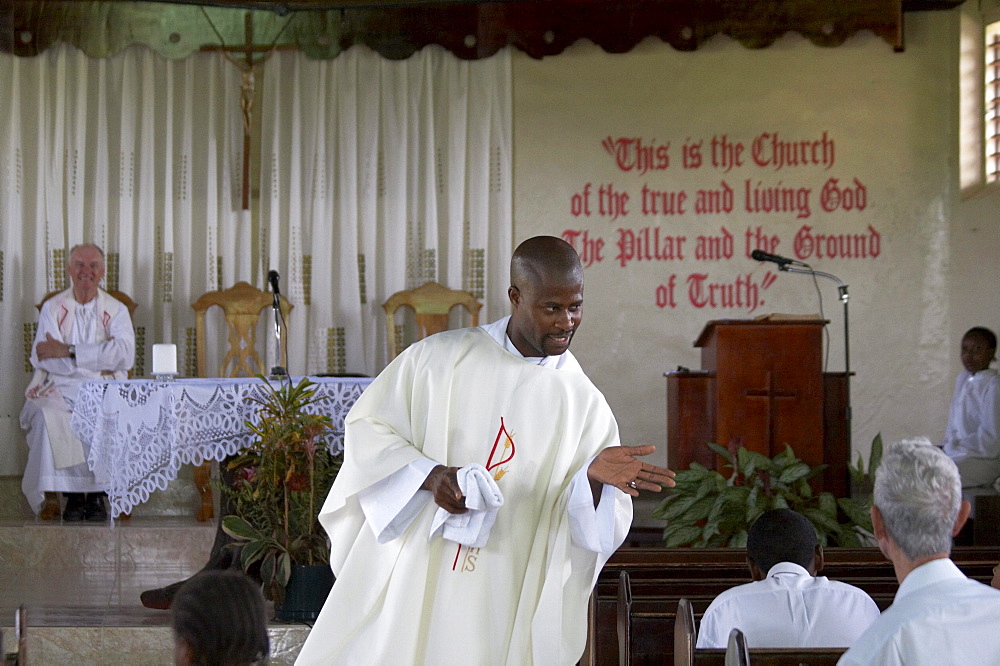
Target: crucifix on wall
246,57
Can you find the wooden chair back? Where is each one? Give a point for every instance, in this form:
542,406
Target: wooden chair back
431,304
241,305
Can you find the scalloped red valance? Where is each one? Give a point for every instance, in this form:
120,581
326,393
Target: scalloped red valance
469,29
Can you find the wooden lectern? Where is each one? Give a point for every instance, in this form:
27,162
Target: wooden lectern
761,385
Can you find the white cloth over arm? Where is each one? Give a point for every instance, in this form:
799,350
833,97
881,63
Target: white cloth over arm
482,501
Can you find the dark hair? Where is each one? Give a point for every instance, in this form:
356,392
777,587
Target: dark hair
986,334
781,535
221,616
544,256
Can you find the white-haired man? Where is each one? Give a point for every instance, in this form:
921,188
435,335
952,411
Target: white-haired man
84,334
939,616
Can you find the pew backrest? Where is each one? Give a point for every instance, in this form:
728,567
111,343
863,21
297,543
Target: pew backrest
685,634
624,620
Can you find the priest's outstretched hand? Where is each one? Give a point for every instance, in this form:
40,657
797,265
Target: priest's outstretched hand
619,466
443,483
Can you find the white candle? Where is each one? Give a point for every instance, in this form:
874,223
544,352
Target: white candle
164,359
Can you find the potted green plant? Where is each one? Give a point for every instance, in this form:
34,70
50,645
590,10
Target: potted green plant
706,509
278,486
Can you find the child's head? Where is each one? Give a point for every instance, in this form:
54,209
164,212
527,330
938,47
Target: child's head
979,348
220,618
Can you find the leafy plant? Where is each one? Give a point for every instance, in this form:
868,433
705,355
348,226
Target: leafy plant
279,484
858,506
862,482
705,509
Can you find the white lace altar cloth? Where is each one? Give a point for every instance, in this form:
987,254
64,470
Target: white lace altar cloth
140,432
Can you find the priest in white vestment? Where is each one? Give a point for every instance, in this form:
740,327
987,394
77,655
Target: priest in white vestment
83,334
498,432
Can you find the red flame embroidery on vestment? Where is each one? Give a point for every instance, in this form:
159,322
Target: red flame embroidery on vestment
508,451
492,462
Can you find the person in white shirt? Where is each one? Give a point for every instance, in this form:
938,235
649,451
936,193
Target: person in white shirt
787,605
972,437
939,616
83,334
507,409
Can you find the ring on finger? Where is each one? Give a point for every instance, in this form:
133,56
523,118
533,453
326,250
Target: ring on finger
632,485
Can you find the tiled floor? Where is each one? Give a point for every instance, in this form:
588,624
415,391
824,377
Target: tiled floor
80,584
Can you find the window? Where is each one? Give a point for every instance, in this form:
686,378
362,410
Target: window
992,103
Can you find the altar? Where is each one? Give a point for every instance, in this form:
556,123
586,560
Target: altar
140,432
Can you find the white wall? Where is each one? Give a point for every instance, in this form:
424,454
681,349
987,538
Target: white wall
893,120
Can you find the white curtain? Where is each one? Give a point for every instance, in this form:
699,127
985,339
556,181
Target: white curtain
133,152
378,176
375,176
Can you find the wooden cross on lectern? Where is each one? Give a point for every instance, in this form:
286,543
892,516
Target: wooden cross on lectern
246,65
772,395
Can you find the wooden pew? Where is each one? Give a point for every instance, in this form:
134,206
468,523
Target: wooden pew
686,654
738,654
660,576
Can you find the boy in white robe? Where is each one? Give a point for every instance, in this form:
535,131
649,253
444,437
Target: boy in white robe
511,398
972,438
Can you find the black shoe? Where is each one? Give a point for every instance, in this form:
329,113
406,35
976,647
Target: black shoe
94,510
75,509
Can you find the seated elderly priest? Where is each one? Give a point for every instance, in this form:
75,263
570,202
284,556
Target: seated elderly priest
787,605
84,334
939,615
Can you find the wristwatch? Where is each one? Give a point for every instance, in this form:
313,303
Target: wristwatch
72,352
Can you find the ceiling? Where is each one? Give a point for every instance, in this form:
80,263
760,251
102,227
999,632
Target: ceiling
469,29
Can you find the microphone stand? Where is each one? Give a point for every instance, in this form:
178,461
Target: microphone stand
842,289
278,371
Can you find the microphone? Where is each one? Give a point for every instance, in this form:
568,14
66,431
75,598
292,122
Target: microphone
277,371
760,255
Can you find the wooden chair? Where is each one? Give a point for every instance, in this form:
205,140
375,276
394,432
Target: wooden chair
431,305
241,305
51,510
